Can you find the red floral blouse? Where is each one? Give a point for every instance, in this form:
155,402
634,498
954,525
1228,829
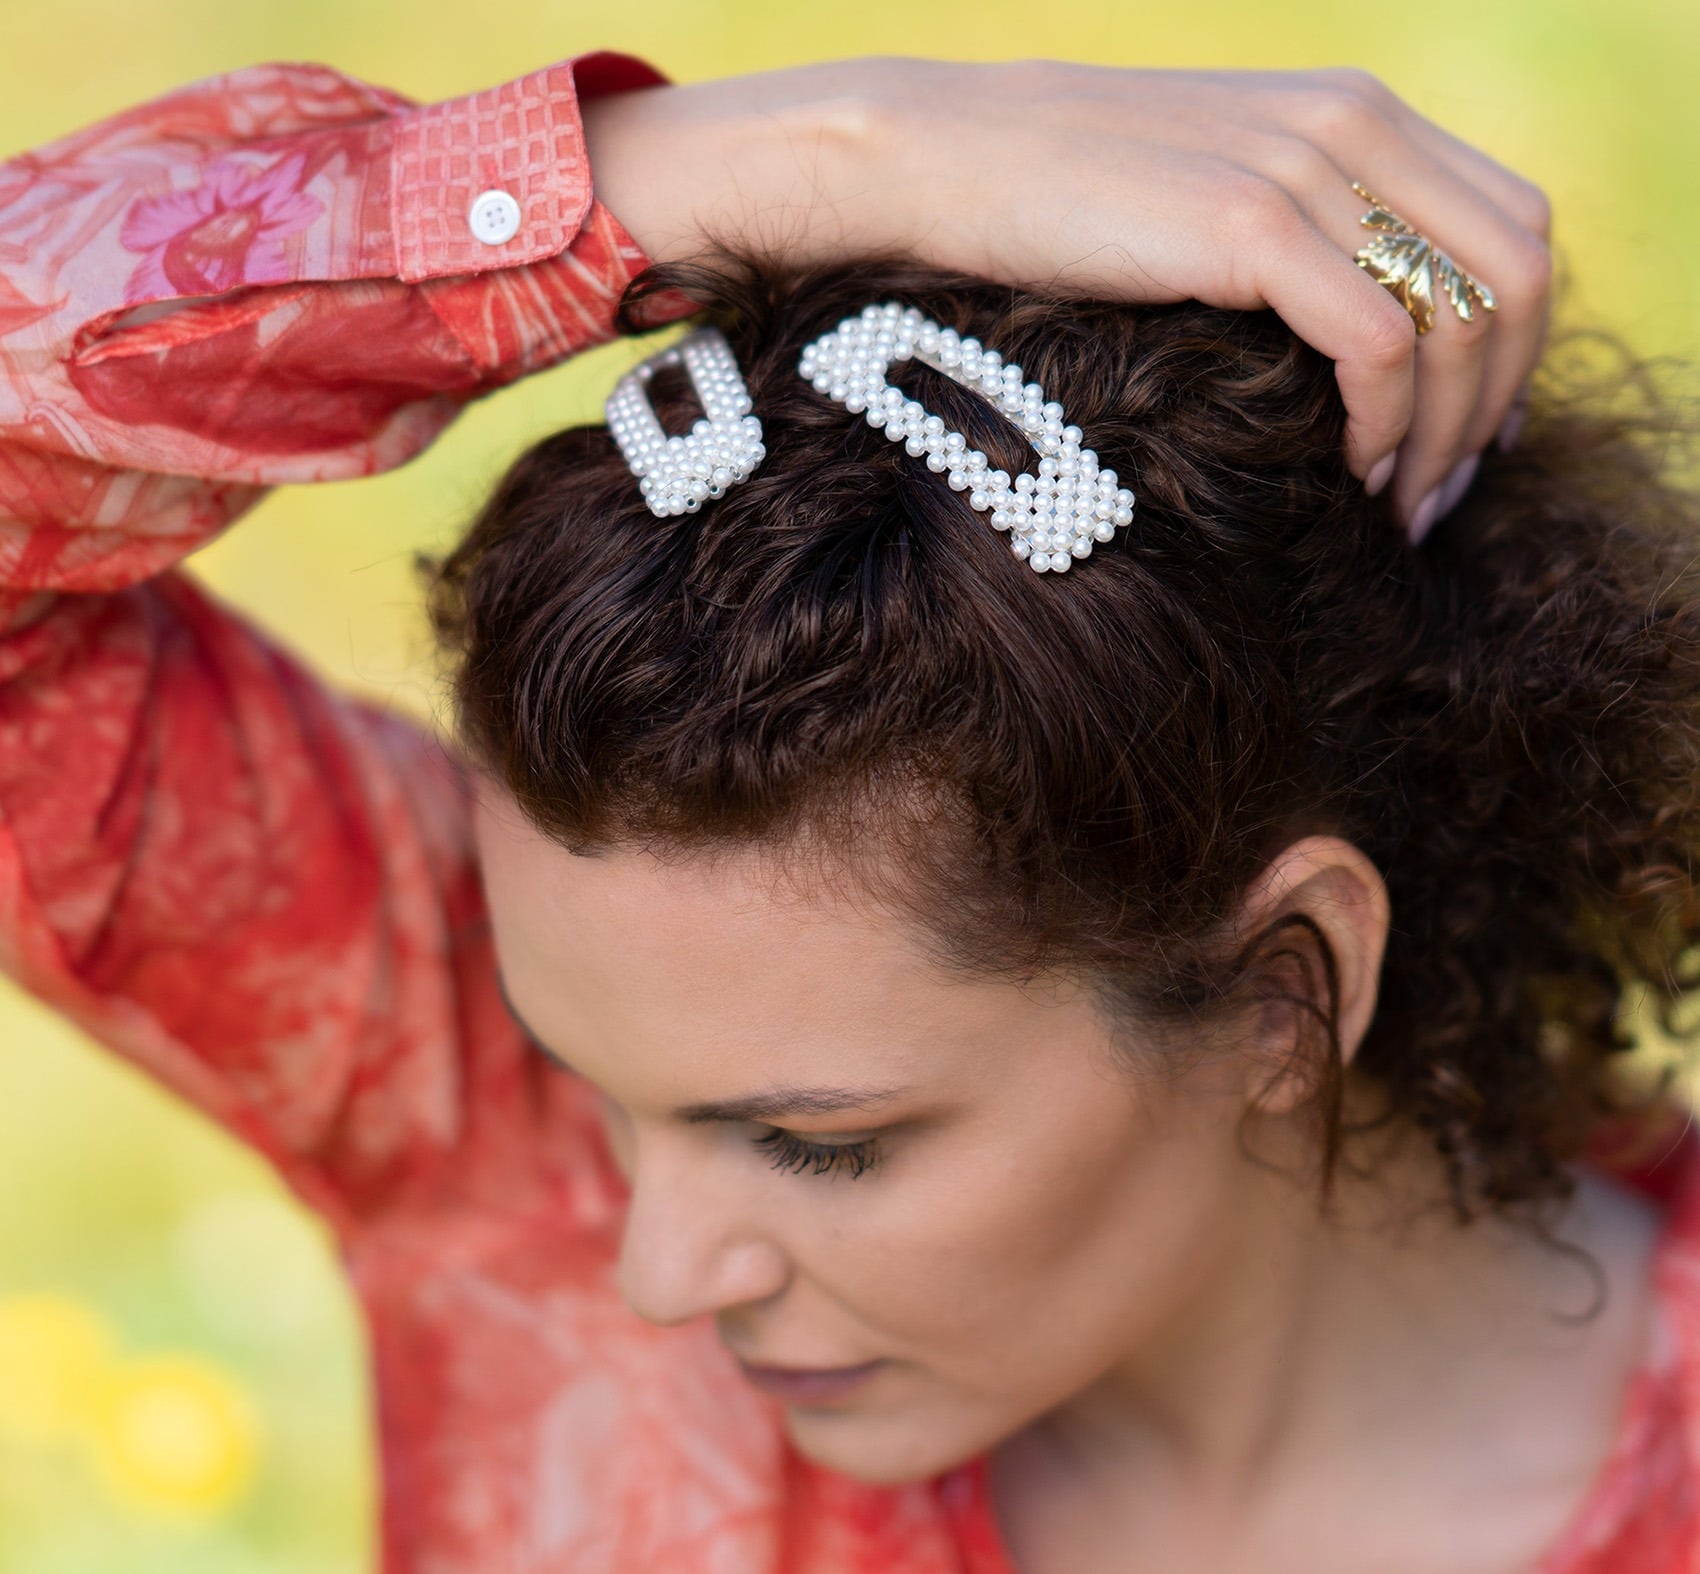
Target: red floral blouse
264,892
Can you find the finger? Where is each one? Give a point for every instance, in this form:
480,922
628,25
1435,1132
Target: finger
1449,359
1473,367
1522,281
1287,265
1314,286
1466,204
1518,196
1467,370
1355,98
1452,360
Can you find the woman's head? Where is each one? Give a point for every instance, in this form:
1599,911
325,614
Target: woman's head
1146,884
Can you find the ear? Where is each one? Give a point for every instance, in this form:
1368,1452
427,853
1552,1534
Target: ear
1332,884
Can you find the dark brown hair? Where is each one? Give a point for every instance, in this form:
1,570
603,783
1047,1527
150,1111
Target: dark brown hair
1084,770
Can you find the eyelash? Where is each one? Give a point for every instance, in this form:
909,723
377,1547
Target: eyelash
794,1153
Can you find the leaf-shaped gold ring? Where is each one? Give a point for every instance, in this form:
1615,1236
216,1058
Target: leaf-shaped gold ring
1407,263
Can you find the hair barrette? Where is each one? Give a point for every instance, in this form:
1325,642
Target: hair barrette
678,474
1053,518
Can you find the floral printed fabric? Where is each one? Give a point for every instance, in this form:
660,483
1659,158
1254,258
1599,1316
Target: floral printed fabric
226,232
264,894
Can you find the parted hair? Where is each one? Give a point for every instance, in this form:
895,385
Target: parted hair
1085,770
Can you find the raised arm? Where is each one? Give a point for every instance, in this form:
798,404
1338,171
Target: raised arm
1229,187
274,275
254,888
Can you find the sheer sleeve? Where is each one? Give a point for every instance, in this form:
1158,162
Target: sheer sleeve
256,889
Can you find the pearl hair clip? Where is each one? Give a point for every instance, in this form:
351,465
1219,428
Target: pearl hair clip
678,474
1052,519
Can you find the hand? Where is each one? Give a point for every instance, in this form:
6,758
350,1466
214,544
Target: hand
1229,187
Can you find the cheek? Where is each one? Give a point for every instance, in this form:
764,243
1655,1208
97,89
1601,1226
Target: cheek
1007,1276
1056,1247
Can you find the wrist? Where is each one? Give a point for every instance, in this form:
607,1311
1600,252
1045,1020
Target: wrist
783,162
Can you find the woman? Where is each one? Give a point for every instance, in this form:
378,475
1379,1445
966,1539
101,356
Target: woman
1130,1036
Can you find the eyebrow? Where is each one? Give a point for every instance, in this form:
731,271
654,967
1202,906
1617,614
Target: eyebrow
776,1103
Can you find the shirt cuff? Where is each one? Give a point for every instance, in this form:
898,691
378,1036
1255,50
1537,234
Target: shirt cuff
499,178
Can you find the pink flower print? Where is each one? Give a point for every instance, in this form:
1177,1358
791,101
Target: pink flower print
17,310
228,231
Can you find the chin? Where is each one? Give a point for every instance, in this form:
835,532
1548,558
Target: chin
879,1451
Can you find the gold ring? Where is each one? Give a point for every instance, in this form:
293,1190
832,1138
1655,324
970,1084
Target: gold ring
1407,263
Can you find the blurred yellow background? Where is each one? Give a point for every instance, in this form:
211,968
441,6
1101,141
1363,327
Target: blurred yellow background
182,1377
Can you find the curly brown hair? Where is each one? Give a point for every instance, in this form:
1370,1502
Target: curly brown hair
1084,771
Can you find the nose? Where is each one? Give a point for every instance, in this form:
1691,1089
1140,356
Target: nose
693,1242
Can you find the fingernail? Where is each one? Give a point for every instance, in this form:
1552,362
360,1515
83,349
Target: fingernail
1444,498
1511,427
1381,473
1456,485
1424,516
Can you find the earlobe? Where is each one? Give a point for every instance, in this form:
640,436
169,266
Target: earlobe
1332,897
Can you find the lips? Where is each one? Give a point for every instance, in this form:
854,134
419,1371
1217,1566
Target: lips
804,1385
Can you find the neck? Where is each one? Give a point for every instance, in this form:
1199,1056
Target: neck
1312,1333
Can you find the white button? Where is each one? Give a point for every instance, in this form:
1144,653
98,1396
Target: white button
493,217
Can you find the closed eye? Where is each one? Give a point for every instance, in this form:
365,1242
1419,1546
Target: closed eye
790,1152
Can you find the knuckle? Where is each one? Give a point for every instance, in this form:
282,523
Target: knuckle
1526,281
1534,210
1296,163
1249,204
1463,337
1534,266
1390,338
1344,100
1453,340
1266,202
847,120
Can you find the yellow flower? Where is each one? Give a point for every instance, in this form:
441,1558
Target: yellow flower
56,1356
176,1436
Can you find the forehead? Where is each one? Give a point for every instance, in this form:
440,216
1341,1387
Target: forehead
693,962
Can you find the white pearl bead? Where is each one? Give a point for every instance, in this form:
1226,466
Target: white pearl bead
1052,517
